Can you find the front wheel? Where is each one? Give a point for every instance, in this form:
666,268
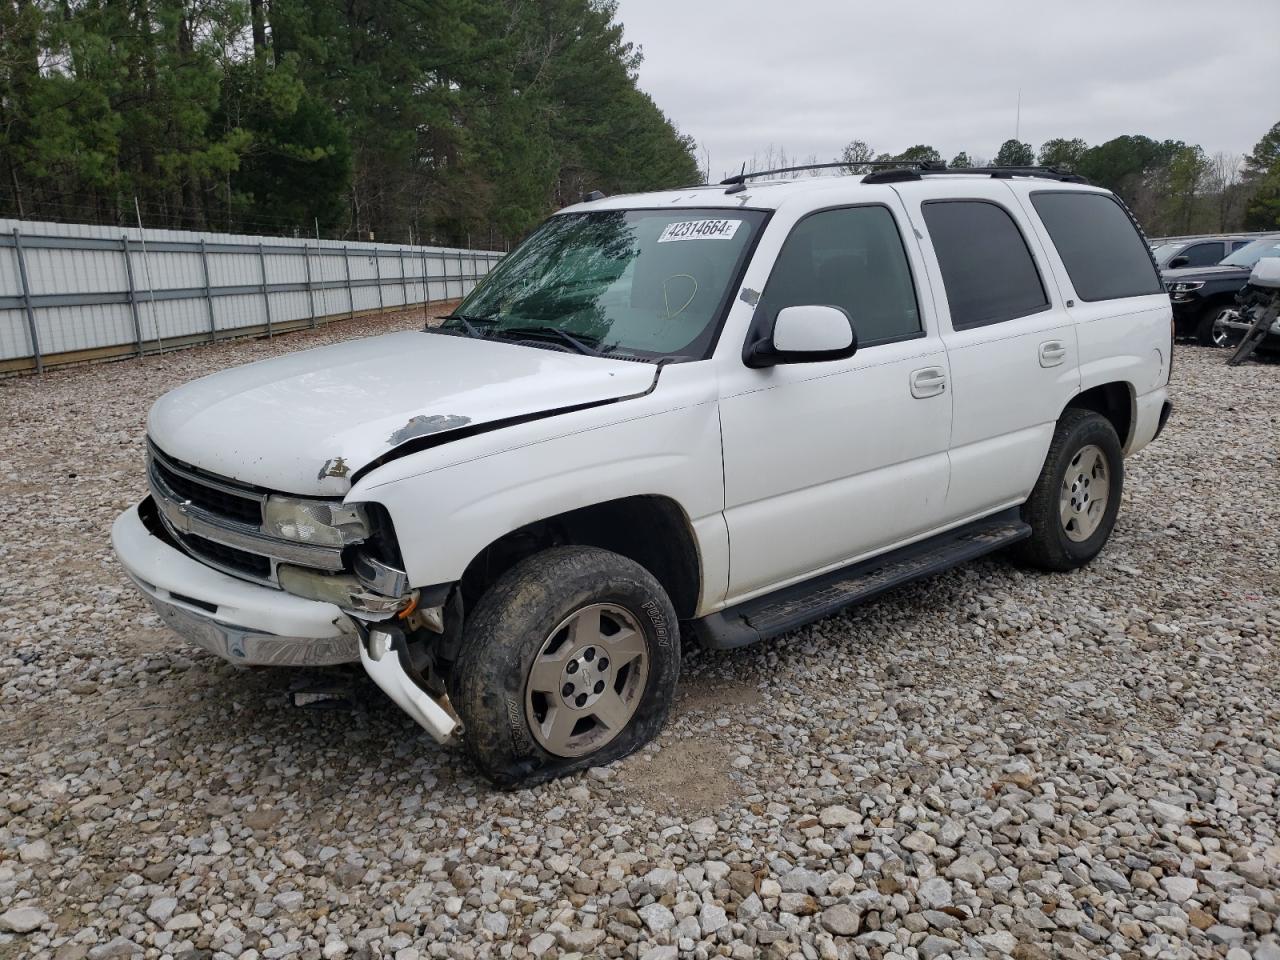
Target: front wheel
1073,506
569,660
1212,331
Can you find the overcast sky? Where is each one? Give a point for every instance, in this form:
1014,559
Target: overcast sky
811,75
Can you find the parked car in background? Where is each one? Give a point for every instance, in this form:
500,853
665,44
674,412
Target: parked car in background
1195,251
1257,301
1204,298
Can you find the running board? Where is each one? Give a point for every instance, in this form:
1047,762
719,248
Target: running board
794,606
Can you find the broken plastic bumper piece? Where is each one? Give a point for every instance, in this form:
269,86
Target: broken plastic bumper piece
385,657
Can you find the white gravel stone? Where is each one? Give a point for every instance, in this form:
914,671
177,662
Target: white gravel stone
711,918
657,917
935,946
496,923
841,919
542,943
162,908
838,816
1179,888
37,851
963,868
22,919
934,893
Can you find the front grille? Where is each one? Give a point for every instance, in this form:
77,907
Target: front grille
212,499
219,522
250,564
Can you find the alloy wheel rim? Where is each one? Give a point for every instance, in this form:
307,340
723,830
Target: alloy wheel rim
1224,336
1221,335
1086,487
587,680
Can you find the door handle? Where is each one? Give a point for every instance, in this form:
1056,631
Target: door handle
1052,353
928,382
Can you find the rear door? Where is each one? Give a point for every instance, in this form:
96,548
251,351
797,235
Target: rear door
1011,346
1118,301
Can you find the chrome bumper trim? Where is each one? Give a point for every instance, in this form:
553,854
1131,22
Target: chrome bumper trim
252,648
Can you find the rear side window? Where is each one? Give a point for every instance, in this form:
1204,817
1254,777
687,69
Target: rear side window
1099,245
852,258
986,267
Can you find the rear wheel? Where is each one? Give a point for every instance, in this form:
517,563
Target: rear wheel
1073,507
569,660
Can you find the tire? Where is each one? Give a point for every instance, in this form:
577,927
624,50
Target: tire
1068,529
1207,334
606,642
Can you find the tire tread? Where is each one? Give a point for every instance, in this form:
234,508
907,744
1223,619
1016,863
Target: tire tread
1046,548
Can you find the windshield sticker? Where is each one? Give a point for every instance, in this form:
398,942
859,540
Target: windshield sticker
699,230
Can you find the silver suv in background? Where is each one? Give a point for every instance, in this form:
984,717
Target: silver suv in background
1173,253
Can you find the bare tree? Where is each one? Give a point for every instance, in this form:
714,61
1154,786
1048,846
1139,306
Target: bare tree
775,158
1222,183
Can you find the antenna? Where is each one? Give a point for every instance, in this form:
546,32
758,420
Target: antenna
1017,123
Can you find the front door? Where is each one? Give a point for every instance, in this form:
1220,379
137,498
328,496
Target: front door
827,462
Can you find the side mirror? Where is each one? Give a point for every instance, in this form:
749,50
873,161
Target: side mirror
805,335
1178,261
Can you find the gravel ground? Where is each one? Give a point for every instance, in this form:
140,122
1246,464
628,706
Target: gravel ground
988,763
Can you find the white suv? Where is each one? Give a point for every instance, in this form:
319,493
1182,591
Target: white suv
715,413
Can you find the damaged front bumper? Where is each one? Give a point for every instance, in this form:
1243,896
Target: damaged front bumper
252,625
241,622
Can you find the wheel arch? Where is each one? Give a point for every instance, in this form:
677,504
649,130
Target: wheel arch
1116,401
651,529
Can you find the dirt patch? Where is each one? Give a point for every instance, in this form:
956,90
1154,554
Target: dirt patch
714,696
688,776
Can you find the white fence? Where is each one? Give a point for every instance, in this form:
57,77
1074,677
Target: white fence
73,292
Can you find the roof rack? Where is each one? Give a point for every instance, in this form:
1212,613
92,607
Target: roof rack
741,178
904,172
896,171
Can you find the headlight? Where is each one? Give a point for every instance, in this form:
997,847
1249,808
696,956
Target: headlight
314,521
1186,286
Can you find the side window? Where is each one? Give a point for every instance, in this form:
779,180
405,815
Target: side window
1237,244
1203,254
986,267
851,258
1099,245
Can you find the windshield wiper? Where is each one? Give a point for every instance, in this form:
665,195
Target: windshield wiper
469,323
556,332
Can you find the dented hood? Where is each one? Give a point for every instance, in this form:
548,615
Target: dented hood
305,422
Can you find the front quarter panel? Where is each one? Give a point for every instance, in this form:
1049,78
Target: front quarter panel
449,502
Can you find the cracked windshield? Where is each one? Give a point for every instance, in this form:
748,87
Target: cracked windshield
643,283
